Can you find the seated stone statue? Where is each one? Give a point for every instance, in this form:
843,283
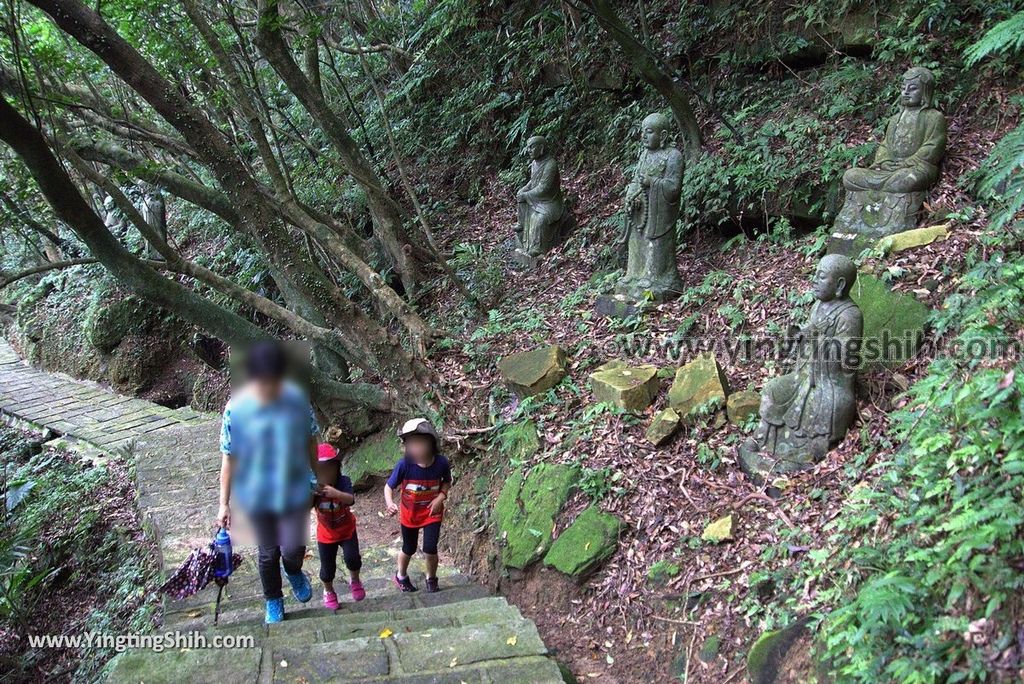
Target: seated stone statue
542,214
652,208
807,411
886,197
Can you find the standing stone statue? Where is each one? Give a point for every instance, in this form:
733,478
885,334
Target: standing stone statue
652,208
886,197
807,411
542,214
155,214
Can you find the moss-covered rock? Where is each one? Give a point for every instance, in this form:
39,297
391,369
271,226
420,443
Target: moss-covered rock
767,654
110,323
697,385
630,388
663,426
893,322
526,510
585,544
741,405
908,239
375,457
534,371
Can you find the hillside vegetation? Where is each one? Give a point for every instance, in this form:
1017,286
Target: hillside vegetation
345,174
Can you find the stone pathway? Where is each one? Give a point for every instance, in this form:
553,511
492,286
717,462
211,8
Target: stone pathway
459,635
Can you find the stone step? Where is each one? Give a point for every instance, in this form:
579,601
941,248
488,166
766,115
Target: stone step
434,655
502,647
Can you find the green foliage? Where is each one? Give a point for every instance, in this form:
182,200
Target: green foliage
1006,36
61,535
950,502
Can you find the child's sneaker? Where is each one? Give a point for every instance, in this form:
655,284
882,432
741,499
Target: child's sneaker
330,600
301,589
405,584
358,593
432,587
275,611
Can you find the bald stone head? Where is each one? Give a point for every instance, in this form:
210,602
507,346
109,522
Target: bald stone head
537,147
834,278
654,130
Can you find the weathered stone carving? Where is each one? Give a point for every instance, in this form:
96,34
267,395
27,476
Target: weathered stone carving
886,197
154,212
542,215
807,411
652,208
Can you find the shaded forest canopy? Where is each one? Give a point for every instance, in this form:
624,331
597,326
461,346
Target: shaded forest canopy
344,173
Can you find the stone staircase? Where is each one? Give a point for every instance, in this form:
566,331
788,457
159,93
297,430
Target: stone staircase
461,634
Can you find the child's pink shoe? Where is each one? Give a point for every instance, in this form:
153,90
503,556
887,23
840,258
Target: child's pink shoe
358,593
330,600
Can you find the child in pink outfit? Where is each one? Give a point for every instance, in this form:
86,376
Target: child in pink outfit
335,525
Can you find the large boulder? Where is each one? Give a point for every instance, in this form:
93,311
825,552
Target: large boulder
375,457
535,371
591,539
527,508
893,322
108,323
663,426
629,388
698,385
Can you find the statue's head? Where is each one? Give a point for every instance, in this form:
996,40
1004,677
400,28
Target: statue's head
918,88
834,278
654,131
537,147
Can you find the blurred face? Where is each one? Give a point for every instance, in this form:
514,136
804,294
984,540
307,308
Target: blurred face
535,149
420,448
825,285
652,137
327,472
267,389
911,95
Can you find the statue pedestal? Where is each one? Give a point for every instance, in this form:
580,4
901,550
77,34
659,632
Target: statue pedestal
524,261
615,306
868,215
757,464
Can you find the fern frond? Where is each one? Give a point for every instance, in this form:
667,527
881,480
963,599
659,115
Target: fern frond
1006,36
1002,176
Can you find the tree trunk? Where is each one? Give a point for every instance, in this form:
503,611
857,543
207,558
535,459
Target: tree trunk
388,217
373,346
646,64
71,207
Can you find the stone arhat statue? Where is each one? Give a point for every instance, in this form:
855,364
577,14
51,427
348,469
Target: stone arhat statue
543,219
652,209
887,196
807,411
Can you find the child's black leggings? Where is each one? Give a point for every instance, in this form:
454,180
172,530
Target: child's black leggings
329,557
410,537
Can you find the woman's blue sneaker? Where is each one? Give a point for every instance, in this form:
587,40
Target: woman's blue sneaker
301,589
275,611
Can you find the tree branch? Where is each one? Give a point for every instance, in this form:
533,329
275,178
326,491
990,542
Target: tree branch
43,268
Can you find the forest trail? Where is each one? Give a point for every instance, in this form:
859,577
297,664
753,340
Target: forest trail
461,634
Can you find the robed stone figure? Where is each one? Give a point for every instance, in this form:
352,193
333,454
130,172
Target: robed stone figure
887,196
652,209
542,212
804,413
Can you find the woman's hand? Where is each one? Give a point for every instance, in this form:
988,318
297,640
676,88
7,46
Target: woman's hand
392,508
224,516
